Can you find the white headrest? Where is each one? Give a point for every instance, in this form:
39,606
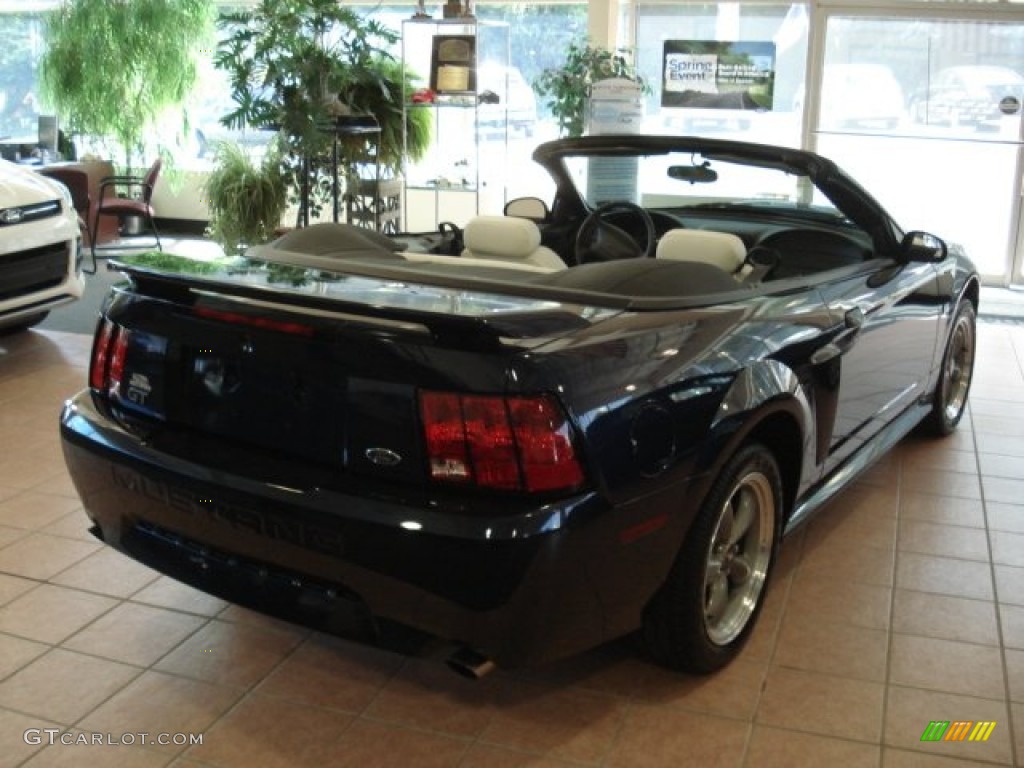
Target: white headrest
501,237
722,249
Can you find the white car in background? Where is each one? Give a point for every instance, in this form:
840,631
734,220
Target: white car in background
40,247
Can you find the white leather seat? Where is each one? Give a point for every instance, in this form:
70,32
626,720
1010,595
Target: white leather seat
721,249
508,238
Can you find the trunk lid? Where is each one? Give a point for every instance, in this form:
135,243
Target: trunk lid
299,363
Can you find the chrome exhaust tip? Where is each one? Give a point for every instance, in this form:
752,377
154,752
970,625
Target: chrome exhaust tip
468,663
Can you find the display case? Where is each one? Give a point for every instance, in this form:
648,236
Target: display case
460,66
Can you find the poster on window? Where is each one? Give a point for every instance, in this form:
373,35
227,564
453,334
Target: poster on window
709,74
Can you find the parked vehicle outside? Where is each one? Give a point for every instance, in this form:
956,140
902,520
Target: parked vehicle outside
975,96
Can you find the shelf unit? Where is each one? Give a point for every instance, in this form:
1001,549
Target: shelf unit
464,171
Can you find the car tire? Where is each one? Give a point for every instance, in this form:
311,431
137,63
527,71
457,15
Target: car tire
954,384
24,323
687,626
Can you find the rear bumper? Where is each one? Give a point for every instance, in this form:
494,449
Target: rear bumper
540,583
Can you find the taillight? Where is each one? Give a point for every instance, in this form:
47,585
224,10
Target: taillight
108,356
505,443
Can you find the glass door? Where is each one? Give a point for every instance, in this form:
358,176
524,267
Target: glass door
926,113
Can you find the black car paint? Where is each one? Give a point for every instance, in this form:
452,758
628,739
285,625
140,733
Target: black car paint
660,398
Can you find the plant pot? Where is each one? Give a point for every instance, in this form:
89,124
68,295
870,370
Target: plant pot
131,226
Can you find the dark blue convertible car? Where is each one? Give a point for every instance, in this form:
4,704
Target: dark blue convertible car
593,415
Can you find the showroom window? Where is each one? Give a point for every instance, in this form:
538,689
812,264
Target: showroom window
767,47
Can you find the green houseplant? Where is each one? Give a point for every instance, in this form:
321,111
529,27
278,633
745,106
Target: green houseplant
566,89
246,200
112,67
297,65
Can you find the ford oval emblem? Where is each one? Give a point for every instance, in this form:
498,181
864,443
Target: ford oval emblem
383,457
12,215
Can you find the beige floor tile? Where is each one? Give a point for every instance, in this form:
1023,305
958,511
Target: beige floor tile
776,748
33,511
135,634
900,758
1005,517
383,745
731,692
50,613
331,672
265,732
840,528
1003,489
1009,584
10,535
655,736
945,617
941,483
943,541
1001,445
865,565
1015,674
21,736
843,650
942,510
58,485
165,592
1018,729
108,572
39,556
489,756
1007,548
85,755
158,703
1011,618
995,465
74,525
822,704
63,686
944,575
16,652
230,654
571,724
28,473
945,665
964,462
909,711
426,695
12,587
863,605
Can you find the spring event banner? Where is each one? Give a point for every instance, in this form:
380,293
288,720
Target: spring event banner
709,74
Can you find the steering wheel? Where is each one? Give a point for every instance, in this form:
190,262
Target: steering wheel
598,240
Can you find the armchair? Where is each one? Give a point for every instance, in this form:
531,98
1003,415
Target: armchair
138,201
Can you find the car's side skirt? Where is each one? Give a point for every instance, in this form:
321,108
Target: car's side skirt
881,444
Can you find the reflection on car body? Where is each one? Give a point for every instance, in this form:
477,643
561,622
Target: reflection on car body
600,419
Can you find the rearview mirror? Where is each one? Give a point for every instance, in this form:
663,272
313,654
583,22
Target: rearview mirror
532,208
922,246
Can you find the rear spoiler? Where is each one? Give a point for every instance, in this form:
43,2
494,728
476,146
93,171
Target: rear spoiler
250,289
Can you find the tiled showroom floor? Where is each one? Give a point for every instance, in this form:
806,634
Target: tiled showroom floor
901,604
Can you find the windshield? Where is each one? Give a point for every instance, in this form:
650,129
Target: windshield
692,180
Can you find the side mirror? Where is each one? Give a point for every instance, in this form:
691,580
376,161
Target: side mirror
532,208
921,246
